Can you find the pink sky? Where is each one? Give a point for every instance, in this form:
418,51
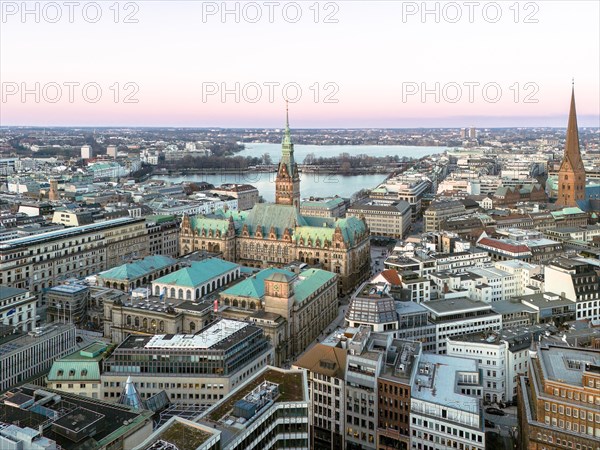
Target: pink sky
370,57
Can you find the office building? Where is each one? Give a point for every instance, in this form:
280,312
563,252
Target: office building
74,421
26,356
194,369
559,399
445,408
268,411
388,218
17,308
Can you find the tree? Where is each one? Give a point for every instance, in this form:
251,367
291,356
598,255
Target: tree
309,159
266,159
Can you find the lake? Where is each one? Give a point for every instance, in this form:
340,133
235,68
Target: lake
311,184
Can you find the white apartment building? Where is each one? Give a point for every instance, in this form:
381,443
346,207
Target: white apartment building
454,262
577,280
458,316
86,152
17,308
445,410
503,284
501,357
522,271
325,367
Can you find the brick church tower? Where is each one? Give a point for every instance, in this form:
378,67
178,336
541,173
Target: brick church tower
571,176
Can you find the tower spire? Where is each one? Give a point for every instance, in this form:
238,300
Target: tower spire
571,175
287,135
572,152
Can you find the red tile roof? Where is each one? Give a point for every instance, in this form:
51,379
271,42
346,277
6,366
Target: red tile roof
392,277
498,244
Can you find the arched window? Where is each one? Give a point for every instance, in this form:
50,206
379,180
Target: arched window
180,294
157,290
172,292
188,295
145,323
128,320
136,321
192,326
161,325
153,324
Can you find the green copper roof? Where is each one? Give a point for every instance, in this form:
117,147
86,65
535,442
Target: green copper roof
324,229
205,223
282,217
270,215
331,203
82,365
567,211
310,281
138,269
199,273
254,286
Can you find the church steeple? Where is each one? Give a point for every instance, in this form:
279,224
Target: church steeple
571,176
287,183
572,152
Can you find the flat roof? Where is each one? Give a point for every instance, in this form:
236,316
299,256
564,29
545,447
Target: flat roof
14,342
566,364
205,339
456,306
7,291
439,386
71,231
73,405
291,389
68,288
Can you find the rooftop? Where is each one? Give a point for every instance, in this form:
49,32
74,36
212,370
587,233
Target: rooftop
439,385
138,269
68,288
198,273
456,306
291,389
324,359
205,339
253,286
7,292
65,232
220,335
63,409
566,364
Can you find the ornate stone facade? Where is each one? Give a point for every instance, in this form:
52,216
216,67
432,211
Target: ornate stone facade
274,235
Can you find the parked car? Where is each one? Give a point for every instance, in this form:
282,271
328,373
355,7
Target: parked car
495,411
489,424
